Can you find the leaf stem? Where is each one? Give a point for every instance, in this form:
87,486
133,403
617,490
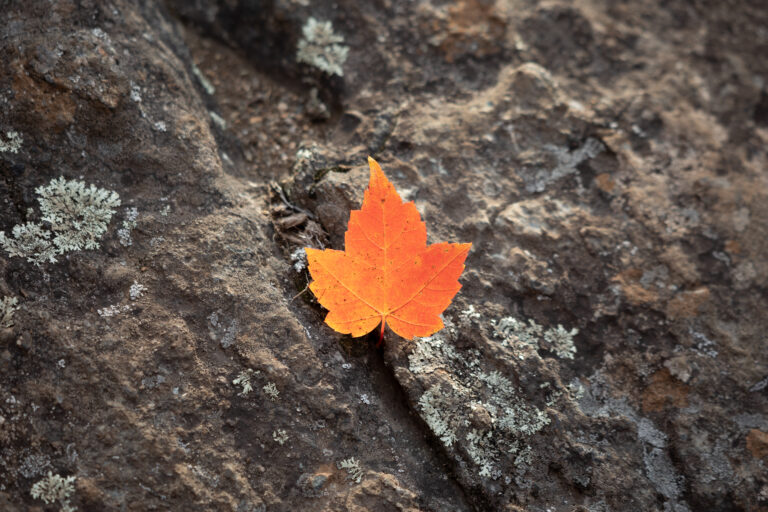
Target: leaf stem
381,333
302,291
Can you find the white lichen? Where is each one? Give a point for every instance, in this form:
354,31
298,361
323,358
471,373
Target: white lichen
280,436
136,291
129,223
299,259
12,144
354,471
469,315
230,334
566,163
34,464
226,335
322,48
597,400
7,308
135,93
54,488
113,310
271,391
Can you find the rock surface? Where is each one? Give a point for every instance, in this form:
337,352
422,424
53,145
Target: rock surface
607,160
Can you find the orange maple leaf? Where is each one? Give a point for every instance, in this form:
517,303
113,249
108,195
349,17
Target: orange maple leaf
387,274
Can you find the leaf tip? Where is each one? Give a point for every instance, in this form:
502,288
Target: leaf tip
376,171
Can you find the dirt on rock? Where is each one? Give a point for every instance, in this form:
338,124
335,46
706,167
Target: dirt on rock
607,160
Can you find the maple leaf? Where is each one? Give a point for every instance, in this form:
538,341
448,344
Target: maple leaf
387,274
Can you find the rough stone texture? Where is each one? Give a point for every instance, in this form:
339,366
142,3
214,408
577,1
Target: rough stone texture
607,159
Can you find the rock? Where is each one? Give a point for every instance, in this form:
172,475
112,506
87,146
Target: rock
664,392
687,304
606,350
757,443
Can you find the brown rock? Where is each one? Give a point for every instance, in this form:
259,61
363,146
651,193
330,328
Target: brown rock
757,443
664,391
606,160
635,292
605,182
687,304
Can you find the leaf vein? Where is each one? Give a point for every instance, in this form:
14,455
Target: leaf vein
359,319
409,322
426,284
362,230
348,288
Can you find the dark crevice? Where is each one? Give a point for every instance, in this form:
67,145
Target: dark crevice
395,398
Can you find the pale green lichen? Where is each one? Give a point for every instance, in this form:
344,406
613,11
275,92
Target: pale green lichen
321,47
12,144
507,411
8,307
510,329
354,471
207,85
30,241
218,120
54,488
431,353
271,391
470,410
561,341
77,214
436,405
279,436
243,379
525,338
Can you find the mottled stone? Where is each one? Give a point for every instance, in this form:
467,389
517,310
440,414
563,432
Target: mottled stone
605,159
